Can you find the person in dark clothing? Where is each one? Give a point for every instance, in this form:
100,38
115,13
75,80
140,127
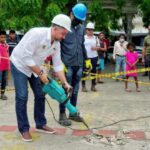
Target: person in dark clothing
101,52
73,54
12,41
146,51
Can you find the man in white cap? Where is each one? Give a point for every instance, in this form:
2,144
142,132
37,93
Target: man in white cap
26,59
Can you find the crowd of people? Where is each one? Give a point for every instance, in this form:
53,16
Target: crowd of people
6,47
68,42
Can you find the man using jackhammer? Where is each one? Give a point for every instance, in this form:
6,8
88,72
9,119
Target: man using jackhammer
26,59
73,54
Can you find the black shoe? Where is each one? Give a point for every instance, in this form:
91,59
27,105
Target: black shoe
117,80
76,117
3,97
100,82
84,89
63,120
145,74
93,88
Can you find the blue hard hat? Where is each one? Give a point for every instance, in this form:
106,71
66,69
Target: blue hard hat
79,11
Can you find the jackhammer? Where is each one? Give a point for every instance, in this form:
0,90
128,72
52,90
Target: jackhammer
57,92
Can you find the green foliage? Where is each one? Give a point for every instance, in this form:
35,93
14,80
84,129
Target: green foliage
145,7
20,14
97,15
120,3
24,14
51,10
61,3
104,19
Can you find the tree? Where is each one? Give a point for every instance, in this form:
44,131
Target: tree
107,17
25,14
145,7
106,13
19,14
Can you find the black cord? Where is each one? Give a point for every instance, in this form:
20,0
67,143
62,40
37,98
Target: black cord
56,119
124,120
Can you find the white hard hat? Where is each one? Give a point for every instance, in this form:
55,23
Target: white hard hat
63,21
90,25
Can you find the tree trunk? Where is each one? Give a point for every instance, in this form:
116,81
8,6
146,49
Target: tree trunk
129,27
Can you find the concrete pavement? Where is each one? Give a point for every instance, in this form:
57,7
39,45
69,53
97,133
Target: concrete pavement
110,104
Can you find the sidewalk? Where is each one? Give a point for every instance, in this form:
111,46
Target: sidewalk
110,104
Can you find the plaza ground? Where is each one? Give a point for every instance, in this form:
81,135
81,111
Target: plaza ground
100,109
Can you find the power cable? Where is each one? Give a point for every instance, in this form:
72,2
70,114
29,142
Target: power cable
100,127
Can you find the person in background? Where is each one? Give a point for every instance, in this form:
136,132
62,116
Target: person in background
92,46
26,61
101,55
4,64
107,41
73,54
12,41
146,50
131,58
119,51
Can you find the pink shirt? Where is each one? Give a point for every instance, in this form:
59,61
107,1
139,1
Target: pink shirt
4,57
131,57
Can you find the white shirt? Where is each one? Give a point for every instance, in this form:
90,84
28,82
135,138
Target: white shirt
89,43
119,48
34,48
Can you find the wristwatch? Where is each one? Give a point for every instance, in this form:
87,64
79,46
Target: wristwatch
41,73
64,83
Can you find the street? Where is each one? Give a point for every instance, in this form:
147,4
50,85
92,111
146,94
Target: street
102,110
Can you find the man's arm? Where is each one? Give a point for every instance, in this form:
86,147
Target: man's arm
114,51
59,68
62,78
43,76
144,51
143,54
84,50
104,49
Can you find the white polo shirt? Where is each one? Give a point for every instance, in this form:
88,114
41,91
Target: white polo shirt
90,42
34,48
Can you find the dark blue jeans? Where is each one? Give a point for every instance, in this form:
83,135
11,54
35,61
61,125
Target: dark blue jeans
21,91
3,80
73,76
147,61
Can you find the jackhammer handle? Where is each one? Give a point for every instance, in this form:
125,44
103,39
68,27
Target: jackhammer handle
69,93
49,79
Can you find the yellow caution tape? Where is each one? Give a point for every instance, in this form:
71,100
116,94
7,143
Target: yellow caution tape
110,75
8,90
139,82
91,76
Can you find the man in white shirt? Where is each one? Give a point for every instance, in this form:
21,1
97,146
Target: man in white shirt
119,53
26,59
